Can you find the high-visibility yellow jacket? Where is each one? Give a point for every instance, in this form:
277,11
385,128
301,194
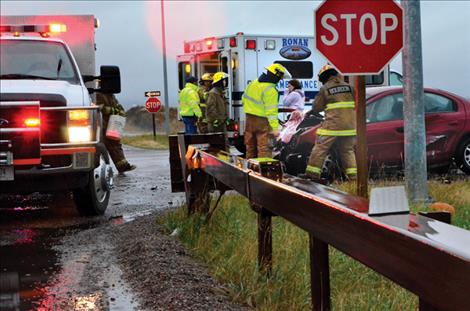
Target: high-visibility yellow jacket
337,99
261,99
189,101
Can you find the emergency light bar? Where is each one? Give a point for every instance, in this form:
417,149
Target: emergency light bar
41,29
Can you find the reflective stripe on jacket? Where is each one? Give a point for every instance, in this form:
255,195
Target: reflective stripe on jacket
189,101
336,98
261,99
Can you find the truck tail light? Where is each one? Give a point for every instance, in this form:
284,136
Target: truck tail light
233,42
32,122
250,44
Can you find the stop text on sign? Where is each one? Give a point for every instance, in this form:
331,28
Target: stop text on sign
388,22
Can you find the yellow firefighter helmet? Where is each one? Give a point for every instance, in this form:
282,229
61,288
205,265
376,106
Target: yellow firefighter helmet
218,76
207,77
279,71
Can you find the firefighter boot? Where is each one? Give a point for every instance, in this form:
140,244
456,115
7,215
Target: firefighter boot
124,166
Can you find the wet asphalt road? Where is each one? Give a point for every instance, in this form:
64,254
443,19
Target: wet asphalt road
51,258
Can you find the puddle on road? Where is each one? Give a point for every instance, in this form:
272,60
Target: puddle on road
27,261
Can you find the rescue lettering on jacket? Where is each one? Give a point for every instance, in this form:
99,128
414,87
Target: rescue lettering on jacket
339,89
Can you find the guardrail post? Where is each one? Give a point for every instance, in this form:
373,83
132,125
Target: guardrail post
319,274
265,240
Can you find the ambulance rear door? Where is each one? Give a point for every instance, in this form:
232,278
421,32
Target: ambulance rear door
186,68
225,65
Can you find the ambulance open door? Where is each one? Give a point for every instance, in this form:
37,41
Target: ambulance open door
186,68
225,65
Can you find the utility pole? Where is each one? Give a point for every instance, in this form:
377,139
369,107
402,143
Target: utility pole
415,130
165,75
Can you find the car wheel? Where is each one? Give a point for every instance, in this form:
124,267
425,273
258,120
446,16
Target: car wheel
92,199
463,156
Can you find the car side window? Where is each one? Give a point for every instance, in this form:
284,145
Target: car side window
434,103
387,108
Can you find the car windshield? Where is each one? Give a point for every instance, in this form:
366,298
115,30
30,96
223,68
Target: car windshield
31,59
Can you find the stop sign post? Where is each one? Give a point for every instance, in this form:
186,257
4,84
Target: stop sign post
359,38
153,105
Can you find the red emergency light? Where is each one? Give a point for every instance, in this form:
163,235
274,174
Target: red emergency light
233,42
186,47
209,43
250,44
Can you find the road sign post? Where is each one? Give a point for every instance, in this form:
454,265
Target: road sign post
361,146
359,38
153,105
415,131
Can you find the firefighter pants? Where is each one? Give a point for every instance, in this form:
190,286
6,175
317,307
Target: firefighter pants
202,126
221,128
258,137
189,125
323,144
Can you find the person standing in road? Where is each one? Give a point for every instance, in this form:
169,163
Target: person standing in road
109,105
189,105
336,98
203,92
260,102
217,104
294,97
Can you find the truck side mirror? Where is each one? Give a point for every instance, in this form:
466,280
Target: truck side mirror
110,80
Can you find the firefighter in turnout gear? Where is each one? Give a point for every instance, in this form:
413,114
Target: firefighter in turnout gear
109,105
260,102
189,105
337,99
216,112
203,91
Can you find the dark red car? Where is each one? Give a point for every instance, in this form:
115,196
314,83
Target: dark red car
447,132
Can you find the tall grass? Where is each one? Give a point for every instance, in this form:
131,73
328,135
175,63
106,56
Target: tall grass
228,244
147,141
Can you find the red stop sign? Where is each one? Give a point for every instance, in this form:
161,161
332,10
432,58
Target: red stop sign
153,104
359,37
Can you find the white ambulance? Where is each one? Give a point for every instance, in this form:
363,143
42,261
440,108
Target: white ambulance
244,57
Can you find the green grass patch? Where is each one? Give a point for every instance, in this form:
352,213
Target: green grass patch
228,245
147,141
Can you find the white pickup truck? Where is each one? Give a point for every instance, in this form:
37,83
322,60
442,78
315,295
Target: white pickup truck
49,125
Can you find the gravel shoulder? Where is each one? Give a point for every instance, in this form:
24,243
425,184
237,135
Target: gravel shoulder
125,261
162,272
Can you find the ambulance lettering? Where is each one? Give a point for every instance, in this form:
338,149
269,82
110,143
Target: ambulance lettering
295,48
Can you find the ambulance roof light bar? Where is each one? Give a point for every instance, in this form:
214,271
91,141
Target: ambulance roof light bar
43,30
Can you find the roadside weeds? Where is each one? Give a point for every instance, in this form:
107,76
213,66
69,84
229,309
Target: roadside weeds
228,244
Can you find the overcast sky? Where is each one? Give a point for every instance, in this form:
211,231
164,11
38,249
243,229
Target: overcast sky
130,35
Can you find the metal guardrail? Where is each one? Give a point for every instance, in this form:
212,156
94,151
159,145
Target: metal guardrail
425,256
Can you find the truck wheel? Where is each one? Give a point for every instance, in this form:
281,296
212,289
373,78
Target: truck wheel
462,156
93,199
